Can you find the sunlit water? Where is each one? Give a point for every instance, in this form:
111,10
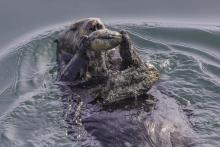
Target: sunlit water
33,112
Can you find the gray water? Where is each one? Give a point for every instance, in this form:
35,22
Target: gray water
182,39
187,57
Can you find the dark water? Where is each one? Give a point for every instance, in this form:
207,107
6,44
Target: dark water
187,56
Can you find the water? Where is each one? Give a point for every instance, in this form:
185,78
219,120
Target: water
32,112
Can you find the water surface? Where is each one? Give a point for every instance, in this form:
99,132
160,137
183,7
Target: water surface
188,57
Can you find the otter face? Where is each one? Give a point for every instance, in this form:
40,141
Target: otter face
90,25
69,40
101,38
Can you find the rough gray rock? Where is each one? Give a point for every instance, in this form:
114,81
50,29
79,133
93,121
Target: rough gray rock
129,83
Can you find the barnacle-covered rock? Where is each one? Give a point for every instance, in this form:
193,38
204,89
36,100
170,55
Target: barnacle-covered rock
129,83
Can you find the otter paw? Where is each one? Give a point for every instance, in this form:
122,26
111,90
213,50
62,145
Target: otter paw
84,43
125,40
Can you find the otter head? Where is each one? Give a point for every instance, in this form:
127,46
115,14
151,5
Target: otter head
85,27
101,38
90,25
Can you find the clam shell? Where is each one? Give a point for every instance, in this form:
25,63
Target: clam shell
104,39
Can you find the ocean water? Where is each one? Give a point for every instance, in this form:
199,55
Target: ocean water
33,112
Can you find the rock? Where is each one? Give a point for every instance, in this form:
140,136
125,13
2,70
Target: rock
129,83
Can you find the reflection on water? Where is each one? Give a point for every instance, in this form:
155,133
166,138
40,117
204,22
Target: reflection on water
33,112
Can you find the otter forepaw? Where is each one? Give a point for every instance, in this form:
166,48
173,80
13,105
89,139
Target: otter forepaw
125,41
125,50
85,43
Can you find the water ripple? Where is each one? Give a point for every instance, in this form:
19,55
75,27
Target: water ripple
188,58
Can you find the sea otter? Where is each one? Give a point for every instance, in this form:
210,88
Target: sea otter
108,82
88,50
